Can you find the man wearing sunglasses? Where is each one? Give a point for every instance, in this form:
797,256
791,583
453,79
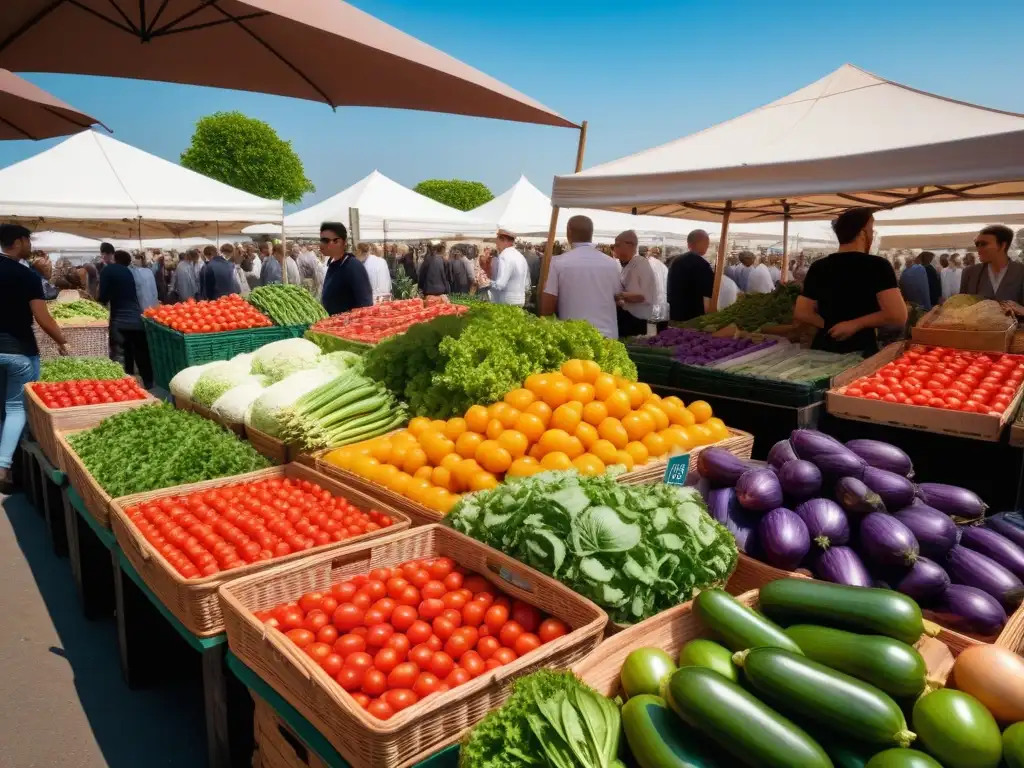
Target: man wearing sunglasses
346,285
996,277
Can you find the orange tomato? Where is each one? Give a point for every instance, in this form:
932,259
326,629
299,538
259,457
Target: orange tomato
566,418
438,425
418,425
450,461
652,399
704,434
530,425
403,439
636,395
436,446
625,459
414,459
573,370
453,428
701,410
594,413
604,385
541,410
638,451
438,499
536,452
417,489
635,426
477,418
718,428
523,467
556,460
492,457
655,444
555,440
483,481
497,410
582,393
612,430
675,401
400,482
442,478
467,444
618,404
574,448
380,449
465,470
516,443
494,428
645,390
587,435
520,398
660,417
536,383
425,472
591,370
556,392
588,465
605,451
397,455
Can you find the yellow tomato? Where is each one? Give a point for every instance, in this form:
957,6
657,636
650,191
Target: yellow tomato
398,455
556,392
718,428
437,499
536,383
418,425
675,401
341,457
426,472
536,452
380,449
655,444
438,425
508,417
652,399
704,434
541,410
483,481
638,451
701,410
612,430
530,425
636,426
437,446
566,418
442,478
582,393
400,483
450,461
520,398
417,489
660,417
516,443
618,404
556,460
467,444
555,440
635,394
477,418
645,390
414,459
587,435
605,451
677,438
574,448
573,370
463,471
523,467
591,370
594,413
455,427
492,457
625,460
405,438
365,466
588,465
494,428
604,385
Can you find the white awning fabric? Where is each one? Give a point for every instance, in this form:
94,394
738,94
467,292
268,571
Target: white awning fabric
95,186
850,139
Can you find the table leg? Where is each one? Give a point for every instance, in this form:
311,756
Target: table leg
74,552
229,713
95,572
136,619
54,505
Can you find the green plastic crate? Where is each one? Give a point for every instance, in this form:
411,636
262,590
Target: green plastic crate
172,351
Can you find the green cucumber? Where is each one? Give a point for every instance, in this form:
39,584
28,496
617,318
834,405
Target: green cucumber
811,691
957,730
740,724
705,653
856,609
657,739
847,756
888,664
737,625
902,758
1013,746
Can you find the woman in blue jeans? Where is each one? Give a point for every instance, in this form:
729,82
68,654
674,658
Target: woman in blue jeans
21,302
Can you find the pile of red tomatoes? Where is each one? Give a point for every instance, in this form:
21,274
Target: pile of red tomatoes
229,313
68,394
396,635
939,377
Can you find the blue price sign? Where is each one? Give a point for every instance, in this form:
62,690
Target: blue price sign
677,470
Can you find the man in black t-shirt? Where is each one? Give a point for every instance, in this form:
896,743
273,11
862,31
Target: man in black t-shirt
849,294
691,280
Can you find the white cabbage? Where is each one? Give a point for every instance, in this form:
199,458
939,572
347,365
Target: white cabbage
234,404
217,380
185,380
280,359
262,415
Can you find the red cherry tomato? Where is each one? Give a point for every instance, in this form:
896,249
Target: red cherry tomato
551,629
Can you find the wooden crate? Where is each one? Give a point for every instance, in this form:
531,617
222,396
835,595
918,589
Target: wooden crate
672,629
195,601
276,450
206,413
277,745
45,422
740,444
438,720
96,500
961,338
182,403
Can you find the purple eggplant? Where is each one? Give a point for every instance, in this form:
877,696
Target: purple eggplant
844,463
926,581
783,538
810,443
883,456
973,569
781,453
935,532
856,498
759,490
721,467
895,490
1008,524
995,547
841,565
826,522
969,609
886,541
800,479
959,503
725,508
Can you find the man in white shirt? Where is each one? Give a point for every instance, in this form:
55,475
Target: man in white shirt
951,276
759,279
659,315
773,268
728,292
635,301
377,271
512,275
582,282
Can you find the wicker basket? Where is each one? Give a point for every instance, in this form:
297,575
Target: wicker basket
96,500
740,444
44,422
437,721
84,340
182,403
194,601
276,450
672,629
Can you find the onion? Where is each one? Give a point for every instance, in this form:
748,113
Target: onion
1008,524
783,538
995,677
781,453
996,547
895,490
725,508
970,610
926,581
826,522
886,541
759,490
883,456
810,443
959,503
720,466
856,498
843,463
973,569
935,532
800,479
841,565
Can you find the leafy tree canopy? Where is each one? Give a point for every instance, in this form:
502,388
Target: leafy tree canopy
456,193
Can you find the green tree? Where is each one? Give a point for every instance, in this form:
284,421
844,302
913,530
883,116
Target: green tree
456,193
247,154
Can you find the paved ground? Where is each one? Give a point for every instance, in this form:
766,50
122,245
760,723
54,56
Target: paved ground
62,700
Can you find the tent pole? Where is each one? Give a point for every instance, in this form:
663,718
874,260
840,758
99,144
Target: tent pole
785,242
284,248
723,243
546,264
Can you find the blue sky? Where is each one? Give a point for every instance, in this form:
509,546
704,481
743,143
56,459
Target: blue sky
641,73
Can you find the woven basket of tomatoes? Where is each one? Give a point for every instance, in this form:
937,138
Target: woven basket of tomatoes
69,405
186,542
481,607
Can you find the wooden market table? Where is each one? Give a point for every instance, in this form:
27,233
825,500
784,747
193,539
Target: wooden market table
44,484
89,548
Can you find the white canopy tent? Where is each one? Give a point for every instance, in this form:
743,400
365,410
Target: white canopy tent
387,211
850,139
93,185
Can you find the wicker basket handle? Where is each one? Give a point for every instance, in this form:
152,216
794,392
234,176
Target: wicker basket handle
282,646
361,560
139,549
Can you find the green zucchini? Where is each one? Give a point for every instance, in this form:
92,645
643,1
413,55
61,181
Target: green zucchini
705,653
856,609
846,755
902,758
957,730
657,739
1013,746
646,670
811,691
888,664
740,724
738,626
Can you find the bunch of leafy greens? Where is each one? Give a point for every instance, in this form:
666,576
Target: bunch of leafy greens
551,719
633,550
78,368
158,446
444,366
83,309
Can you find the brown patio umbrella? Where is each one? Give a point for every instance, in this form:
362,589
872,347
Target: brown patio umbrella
29,112
322,50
